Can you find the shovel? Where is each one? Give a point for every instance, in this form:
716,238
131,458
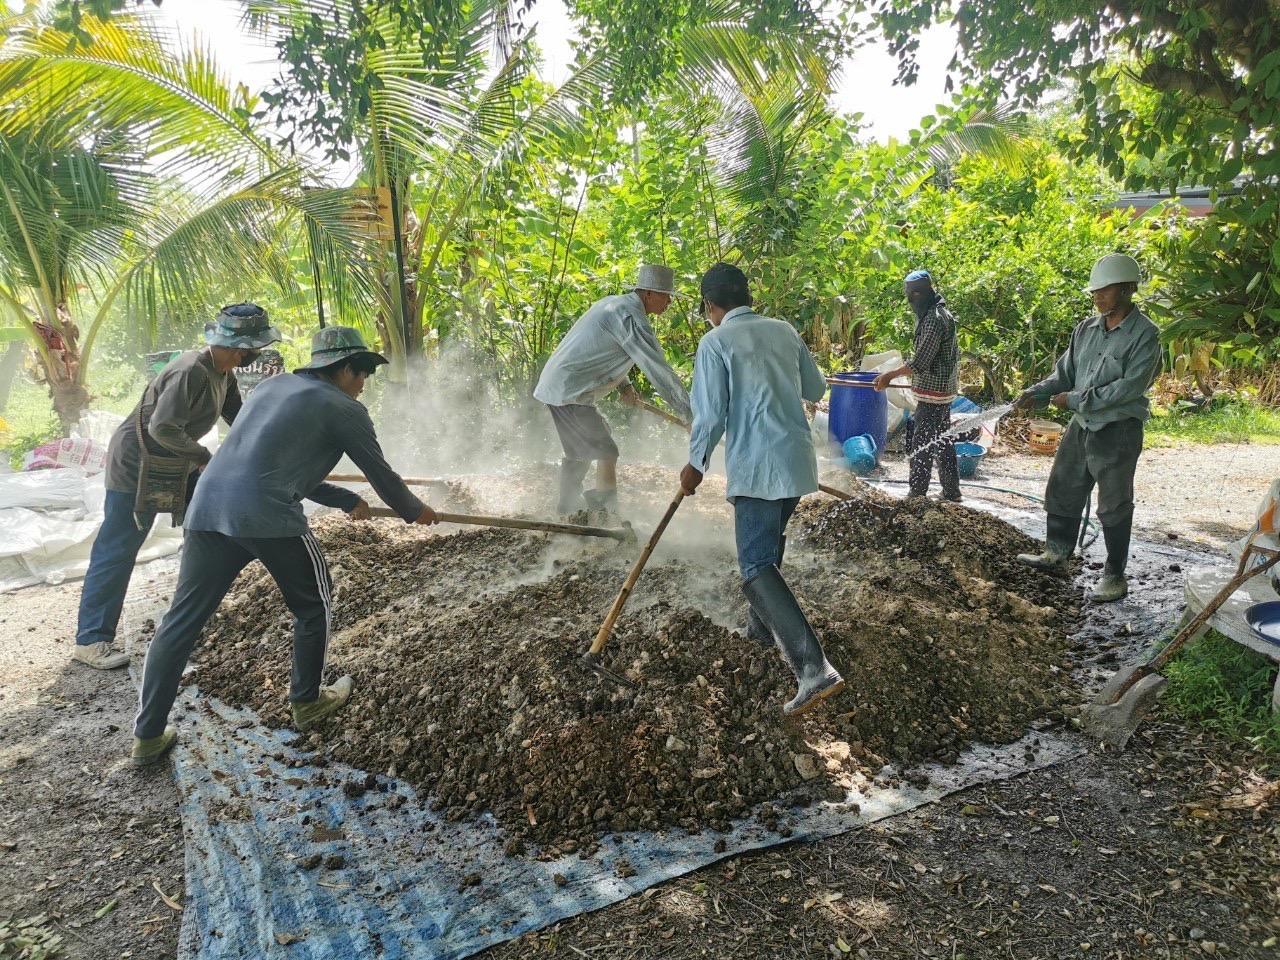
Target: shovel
592,656
671,418
1114,714
623,534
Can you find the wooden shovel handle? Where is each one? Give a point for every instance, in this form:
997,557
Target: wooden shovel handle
615,611
837,382
547,526
409,481
1241,577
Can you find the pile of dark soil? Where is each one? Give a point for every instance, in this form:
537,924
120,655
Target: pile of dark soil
466,652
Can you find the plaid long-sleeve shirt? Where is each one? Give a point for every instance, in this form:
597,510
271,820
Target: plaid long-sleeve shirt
935,358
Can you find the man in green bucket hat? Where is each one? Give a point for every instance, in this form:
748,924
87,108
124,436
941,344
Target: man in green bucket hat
152,459
293,430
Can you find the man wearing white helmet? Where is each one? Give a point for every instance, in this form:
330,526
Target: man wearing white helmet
1103,378
593,360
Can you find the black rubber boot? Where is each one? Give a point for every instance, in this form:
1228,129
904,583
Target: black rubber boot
756,628
571,474
776,605
1059,544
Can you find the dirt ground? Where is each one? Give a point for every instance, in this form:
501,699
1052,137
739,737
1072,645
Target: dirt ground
1171,849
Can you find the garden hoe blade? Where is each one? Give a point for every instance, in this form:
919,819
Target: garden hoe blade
592,657
1114,714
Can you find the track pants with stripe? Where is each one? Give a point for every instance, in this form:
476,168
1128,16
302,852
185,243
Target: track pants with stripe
210,564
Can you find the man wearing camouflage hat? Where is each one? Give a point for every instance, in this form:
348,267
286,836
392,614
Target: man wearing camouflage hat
292,431
152,459
595,358
1103,379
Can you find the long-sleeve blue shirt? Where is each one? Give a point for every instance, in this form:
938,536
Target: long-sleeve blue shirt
750,379
599,351
292,431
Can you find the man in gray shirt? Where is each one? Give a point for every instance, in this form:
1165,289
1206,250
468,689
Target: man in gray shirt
591,361
248,505
150,460
1103,378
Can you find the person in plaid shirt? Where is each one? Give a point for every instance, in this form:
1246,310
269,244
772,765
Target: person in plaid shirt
934,369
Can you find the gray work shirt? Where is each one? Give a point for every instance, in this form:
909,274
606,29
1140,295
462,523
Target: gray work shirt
293,430
751,377
599,351
1106,373
179,406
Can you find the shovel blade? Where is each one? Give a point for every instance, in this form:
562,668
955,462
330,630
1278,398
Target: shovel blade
1115,722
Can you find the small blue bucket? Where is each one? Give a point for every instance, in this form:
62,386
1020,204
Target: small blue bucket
860,452
967,457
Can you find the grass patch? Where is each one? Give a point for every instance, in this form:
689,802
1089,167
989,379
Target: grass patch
1232,420
1225,687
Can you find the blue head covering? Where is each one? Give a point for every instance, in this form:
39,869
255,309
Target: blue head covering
918,275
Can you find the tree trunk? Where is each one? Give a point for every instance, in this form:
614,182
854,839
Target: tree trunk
10,364
58,368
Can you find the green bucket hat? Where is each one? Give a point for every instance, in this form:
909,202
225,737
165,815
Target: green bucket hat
241,326
332,344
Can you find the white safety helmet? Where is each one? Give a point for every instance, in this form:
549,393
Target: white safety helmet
1113,268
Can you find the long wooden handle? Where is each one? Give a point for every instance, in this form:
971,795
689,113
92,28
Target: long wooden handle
1243,576
615,611
644,405
547,526
410,481
837,382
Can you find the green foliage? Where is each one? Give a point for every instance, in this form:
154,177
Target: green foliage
1226,688
1168,95
1226,419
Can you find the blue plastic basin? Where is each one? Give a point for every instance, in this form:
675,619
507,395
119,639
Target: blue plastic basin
968,455
1264,620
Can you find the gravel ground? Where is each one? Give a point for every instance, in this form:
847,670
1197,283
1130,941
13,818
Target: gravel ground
1170,849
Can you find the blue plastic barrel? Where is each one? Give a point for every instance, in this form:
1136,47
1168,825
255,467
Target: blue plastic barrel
858,410
862,453
963,405
968,456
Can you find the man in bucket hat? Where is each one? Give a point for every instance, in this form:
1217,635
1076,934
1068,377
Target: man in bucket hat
593,359
292,431
152,457
1103,378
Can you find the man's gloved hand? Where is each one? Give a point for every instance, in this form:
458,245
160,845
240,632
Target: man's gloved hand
359,512
628,394
1026,401
427,517
1060,401
690,477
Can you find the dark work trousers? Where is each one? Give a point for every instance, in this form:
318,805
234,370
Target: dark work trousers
111,560
1107,457
759,529
210,564
932,420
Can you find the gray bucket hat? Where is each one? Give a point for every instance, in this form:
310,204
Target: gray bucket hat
241,326
657,278
329,345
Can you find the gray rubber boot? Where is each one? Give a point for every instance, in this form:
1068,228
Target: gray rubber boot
571,474
605,500
1059,545
756,628
1114,585
773,600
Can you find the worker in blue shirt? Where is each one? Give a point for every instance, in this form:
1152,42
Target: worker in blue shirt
751,377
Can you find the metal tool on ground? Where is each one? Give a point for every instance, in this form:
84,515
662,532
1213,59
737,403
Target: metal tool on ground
1114,714
623,534
672,418
592,656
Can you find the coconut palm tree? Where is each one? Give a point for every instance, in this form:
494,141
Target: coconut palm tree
132,177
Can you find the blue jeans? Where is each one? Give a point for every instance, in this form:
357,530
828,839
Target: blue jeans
110,566
758,527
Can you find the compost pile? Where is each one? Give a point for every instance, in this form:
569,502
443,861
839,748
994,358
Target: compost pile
466,653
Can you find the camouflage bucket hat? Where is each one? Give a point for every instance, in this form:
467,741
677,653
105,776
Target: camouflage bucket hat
241,326
331,344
